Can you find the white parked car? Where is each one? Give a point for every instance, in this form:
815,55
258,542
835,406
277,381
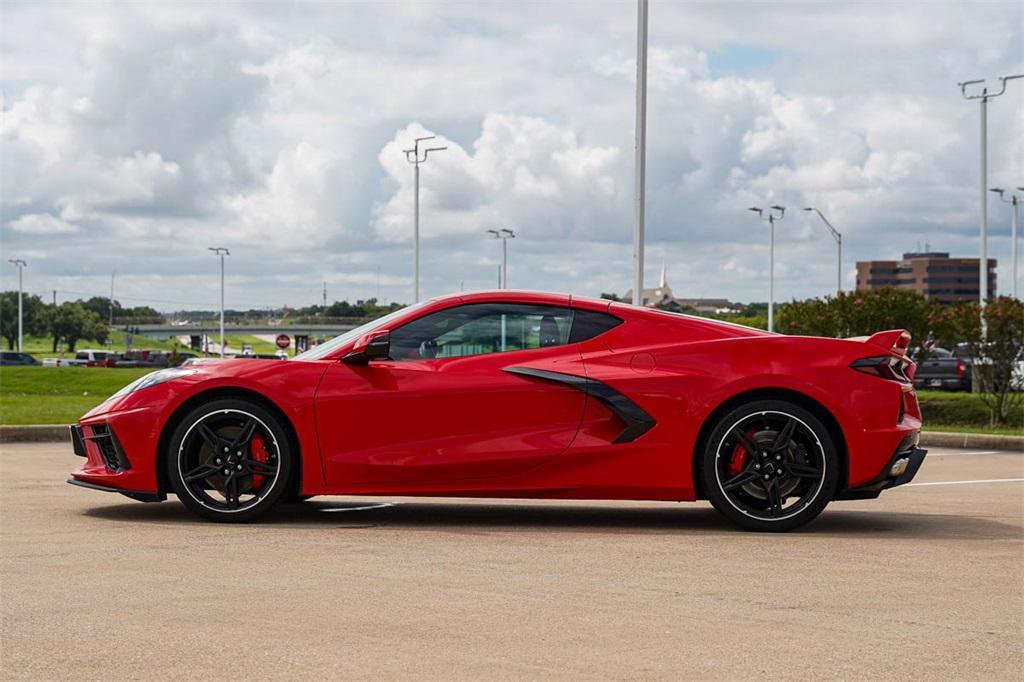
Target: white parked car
91,358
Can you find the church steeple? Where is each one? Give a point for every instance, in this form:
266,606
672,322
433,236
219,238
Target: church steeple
664,278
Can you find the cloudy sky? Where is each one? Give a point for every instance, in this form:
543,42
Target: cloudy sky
136,135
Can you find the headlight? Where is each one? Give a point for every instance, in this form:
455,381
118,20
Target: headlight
154,378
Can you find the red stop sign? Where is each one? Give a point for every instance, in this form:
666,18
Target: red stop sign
283,341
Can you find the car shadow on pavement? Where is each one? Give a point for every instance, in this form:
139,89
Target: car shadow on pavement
685,519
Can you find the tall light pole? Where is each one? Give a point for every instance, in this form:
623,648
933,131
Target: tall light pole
772,219
839,245
221,251
984,96
1014,202
416,156
641,152
110,321
504,235
20,264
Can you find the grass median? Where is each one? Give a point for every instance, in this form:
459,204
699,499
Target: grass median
57,395
60,395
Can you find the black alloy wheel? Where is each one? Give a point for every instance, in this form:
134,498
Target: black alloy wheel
770,465
230,460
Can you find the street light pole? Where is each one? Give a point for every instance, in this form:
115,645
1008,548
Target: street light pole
1014,202
772,219
641,152
221,251
504,235
839,244
20,264
984,96
414,157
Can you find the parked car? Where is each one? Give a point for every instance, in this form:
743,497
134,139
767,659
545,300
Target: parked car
945,370
95,358
13,357
58,362
522,394
155,359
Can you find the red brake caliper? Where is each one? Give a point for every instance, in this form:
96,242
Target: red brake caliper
258,451
738,460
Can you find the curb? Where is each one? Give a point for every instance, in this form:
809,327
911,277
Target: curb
942,439
57,433
984,441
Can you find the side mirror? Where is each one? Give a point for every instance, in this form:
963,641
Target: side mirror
373,346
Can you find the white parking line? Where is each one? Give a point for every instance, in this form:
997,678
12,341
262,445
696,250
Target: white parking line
966,454
983,480
363,508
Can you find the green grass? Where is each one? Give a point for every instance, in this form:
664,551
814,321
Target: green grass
234,344
60,395
57,395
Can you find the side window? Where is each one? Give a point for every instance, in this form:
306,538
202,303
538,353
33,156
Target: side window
586,324
481,328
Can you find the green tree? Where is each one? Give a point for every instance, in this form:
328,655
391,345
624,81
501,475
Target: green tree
33,316
72,322
862,313
996,356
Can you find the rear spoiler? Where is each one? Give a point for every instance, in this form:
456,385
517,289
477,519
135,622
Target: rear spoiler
895,341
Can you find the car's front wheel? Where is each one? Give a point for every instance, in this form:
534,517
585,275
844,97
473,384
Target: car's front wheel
770,465
229,460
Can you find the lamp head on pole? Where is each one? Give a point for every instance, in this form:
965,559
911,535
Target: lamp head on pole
17,262
756,209
780,209
507,233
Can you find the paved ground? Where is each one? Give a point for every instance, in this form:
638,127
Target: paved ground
926,582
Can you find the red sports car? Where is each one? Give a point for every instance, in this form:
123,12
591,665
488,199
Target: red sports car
523,394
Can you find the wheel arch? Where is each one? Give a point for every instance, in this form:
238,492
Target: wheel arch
796,397
237,392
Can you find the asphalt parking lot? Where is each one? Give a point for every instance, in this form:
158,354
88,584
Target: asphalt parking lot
925,582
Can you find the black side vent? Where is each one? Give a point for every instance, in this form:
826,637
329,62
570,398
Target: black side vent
113,457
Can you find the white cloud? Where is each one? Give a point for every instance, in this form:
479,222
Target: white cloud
42,224
133,135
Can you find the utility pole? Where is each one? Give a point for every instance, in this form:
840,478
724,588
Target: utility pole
20,264
110,321
984,96
839,243
504,235
772,219
414,157
1014,202
325,294
221,251
641,152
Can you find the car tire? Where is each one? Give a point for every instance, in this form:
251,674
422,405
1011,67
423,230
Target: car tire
221,473
763,454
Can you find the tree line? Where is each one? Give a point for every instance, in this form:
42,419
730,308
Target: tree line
72,321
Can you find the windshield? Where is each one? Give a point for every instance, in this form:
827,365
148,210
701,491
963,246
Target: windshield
326,348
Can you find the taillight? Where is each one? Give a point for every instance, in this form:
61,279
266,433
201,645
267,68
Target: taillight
961,369
884,366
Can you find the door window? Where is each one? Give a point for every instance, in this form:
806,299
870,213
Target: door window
481,328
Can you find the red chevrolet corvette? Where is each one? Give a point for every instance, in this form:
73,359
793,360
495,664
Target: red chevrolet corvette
522,394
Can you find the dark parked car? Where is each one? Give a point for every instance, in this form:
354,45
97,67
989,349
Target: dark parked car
944,370
154,359
13,357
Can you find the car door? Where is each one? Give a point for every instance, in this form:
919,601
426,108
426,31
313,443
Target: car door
443,407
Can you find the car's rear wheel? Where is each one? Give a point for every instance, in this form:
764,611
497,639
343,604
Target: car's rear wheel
770,465
229,460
